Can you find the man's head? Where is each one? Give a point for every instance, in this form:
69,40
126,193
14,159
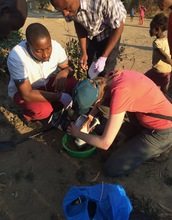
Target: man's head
13,14
39,42
67,7
165,4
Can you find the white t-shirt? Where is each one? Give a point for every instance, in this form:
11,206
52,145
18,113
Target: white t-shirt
23,67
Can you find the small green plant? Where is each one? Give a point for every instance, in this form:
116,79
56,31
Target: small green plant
73,51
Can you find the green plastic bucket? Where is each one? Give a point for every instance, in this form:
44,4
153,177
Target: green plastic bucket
79,154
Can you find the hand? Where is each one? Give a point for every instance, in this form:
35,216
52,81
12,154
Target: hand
66,100
59,83
100,64
83,62
90,118
73,129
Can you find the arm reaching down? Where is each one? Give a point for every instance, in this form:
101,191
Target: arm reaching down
105,140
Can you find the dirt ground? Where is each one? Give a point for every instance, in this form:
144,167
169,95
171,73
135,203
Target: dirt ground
35,176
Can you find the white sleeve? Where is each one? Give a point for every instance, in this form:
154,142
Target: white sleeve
16,67
58,53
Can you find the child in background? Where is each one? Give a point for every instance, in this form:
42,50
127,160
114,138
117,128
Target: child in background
142,10
163,5
169,31
132,14
161,58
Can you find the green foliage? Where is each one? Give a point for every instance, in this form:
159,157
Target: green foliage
43,3
6,46
73,51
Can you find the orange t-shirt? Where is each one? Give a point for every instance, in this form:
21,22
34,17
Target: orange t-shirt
134,92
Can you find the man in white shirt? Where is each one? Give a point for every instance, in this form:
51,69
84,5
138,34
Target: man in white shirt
36,85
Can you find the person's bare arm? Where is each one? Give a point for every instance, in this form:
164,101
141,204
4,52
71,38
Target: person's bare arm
93,112
82,37
166,58
31,95
113,39
61,78
105,140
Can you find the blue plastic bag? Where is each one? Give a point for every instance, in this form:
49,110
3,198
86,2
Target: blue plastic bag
99,202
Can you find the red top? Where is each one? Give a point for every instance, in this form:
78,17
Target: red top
134,92
142,11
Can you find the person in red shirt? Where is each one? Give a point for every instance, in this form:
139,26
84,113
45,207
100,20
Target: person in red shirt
142,10
125,92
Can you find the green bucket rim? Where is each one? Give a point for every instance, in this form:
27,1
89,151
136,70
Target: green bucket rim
78,154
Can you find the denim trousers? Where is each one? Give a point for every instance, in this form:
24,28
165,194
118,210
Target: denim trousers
140,148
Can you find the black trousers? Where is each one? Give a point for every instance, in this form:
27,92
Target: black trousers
95,50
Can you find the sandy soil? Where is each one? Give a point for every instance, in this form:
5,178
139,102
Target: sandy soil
35,176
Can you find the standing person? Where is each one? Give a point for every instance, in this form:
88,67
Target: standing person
126,91
132,14
13,14
36,85
167,4
99,25
142,10
169,32
161,58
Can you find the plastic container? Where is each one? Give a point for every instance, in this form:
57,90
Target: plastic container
79,154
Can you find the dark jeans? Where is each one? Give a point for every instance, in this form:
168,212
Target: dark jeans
142,147
95,50
141,144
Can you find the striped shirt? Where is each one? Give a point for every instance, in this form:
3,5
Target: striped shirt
99,17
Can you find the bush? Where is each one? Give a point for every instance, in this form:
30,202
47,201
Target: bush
6,46
73,51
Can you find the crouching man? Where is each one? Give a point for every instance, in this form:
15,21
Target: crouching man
36,84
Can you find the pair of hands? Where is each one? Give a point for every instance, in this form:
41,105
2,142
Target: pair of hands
99,64
59,85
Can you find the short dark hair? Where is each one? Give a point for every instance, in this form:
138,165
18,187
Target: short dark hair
10,3
36,31
159,21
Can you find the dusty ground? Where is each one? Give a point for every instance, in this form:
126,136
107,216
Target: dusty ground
36,175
